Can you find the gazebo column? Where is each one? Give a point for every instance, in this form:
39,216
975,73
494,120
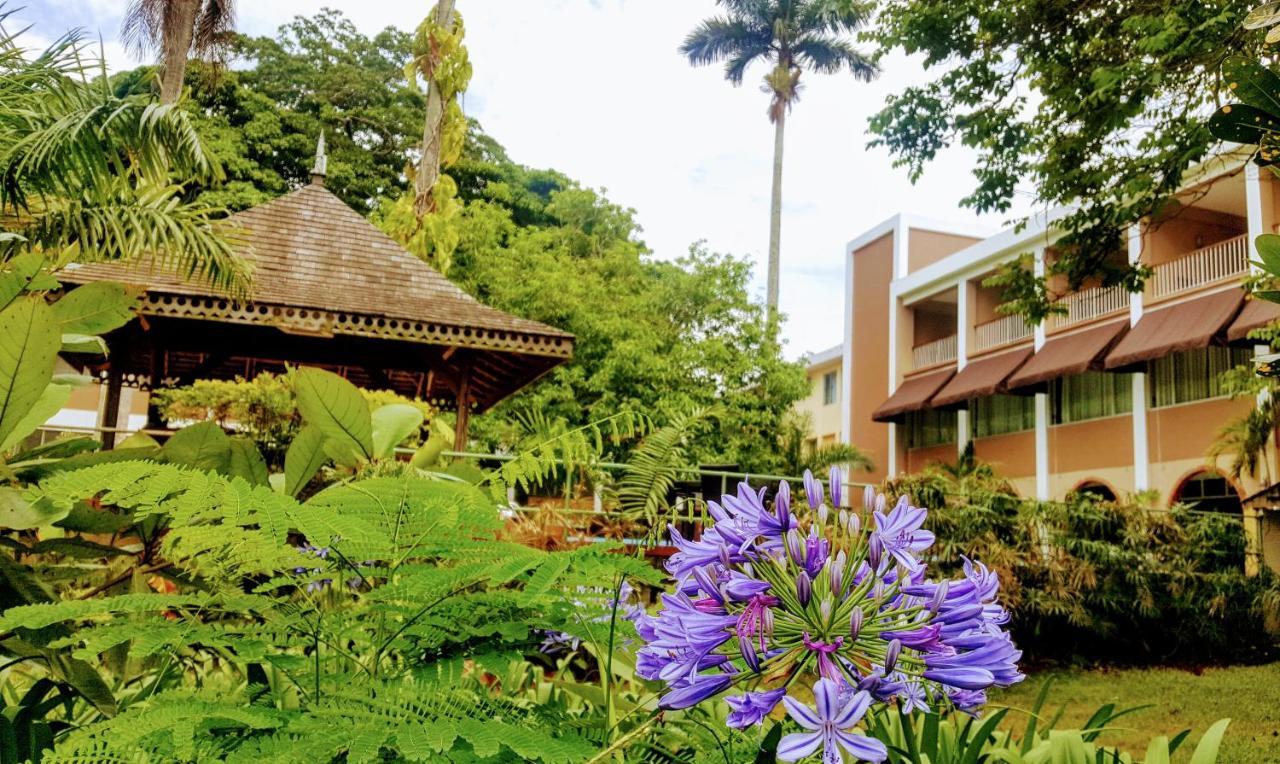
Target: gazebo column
155,419
109,419
464,410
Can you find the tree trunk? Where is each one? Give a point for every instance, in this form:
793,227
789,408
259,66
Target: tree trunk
775,217
429,165
179,26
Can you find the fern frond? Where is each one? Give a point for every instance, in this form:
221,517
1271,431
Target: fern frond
656,464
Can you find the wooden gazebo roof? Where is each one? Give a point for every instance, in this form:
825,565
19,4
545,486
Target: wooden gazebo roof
328,289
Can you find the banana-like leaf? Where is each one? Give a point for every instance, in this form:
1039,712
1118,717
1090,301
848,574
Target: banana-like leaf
1252,83
428,455
334,406
29,339
203,445
17,513
392,424
1207,749
1268,245
83,343
96,308
138,440
247,462
50,402
303,459
18,276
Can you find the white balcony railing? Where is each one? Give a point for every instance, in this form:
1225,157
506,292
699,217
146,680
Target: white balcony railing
1088,304
1000,331
931,353
1203,266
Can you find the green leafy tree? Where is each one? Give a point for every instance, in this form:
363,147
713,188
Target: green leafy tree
789,36
1095,105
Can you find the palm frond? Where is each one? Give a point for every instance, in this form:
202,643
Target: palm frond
826,54
720,38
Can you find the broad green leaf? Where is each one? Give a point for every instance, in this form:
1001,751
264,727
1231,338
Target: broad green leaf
392,424
16,513
1252,83
29,340
303,459
96,308
1157,751
1262,16
428,455
138,440
83,343
203,445
17,276
336,408
1242,123
1270,295
1268,245
768,751
247,462
1207,749
50,402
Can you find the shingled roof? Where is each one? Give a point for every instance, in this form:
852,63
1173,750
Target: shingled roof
311,252
328,289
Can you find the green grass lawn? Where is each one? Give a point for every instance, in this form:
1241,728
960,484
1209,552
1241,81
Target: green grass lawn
1249,695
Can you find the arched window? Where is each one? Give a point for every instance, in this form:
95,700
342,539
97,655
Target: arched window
1209,491
1096,489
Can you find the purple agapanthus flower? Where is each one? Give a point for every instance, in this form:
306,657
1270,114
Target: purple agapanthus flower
829,726
769,600
751,708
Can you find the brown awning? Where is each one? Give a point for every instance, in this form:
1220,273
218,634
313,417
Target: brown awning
982,377
1069,354
912,395
1192,324
1256,314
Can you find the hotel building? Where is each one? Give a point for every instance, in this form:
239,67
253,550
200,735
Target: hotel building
1119,394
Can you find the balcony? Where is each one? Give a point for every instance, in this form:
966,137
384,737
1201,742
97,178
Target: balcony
1203,266
1001,331
1088,304
933,353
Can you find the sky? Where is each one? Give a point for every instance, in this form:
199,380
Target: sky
597,90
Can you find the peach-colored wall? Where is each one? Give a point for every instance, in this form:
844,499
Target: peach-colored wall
1013,455
1186,231
985,302
932,322
1094,444
1187,430
872,271
926,247
919,458
824,417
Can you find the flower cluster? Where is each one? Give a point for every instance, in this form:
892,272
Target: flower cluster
780,605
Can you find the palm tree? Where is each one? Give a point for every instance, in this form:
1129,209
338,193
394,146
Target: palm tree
791,36
1247,441
177,29
86,175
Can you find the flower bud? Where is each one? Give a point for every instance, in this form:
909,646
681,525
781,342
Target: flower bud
782,504
724,556
824,609
834,479
939,596
749,655
868,497
843,519
874,550
795,547
812,490
855,622
836,571
855,525
823,512
891,656
804,588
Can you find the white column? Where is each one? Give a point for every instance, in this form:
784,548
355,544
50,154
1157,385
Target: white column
1253,208
963,430
964,322
1141,454
893,450
846,356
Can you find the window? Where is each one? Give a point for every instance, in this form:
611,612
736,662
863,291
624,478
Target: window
830,390
1091,395
1099,491
1001,414
930,427
1210,492
1192,375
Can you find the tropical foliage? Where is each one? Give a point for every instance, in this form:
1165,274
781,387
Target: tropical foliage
789,36
1096,106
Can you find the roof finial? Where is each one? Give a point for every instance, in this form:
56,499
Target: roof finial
321,167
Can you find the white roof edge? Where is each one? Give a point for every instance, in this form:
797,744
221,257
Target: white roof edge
823,357
909,221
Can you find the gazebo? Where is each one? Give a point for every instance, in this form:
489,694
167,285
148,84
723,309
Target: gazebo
330,290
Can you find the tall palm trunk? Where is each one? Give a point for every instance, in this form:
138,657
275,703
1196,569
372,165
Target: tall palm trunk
432,129
775,215
179,26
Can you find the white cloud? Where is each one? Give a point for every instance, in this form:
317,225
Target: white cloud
597,90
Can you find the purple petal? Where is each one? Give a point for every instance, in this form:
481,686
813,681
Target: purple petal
827,695
853,710
799,745
803,715
863,748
